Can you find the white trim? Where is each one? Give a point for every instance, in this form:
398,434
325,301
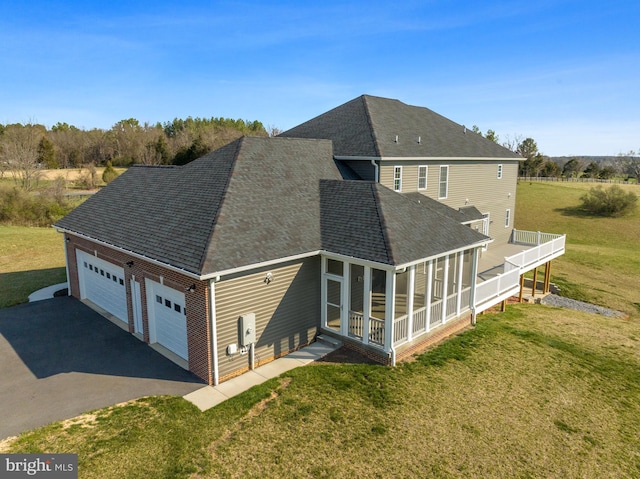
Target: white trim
214,332
426,177
131,253
396,169
66,263
446,193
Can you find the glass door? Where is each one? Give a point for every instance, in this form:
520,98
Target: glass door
334,303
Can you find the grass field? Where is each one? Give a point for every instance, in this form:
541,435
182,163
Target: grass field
602,260
533,392
30,259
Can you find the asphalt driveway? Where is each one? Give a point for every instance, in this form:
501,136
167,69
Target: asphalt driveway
59,358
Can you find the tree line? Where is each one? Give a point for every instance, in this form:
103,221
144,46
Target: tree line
536,164
25,148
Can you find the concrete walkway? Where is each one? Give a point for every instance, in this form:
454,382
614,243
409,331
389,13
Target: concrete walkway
46,293
210,396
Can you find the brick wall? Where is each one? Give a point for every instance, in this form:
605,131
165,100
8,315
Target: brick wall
197,302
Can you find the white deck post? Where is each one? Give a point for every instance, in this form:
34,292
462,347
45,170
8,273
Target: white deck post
445,288
366,309
389,312
346,293
410,290
460,265
429,294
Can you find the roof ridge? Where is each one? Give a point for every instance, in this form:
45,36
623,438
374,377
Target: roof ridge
239,142
382,221
372,130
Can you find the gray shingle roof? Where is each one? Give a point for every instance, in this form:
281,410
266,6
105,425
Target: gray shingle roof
369,221
368,126
462,215
254,200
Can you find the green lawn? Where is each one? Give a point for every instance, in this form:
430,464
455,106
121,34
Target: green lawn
30,259
533,392
602,259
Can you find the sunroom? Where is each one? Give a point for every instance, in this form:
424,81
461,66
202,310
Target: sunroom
386,309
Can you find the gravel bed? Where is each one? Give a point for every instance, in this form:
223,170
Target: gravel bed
559,301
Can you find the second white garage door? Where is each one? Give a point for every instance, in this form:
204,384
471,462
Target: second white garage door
167,318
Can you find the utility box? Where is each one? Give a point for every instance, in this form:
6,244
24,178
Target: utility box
247,329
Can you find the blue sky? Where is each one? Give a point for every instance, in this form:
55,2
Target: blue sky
566,73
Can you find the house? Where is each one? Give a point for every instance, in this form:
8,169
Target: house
382,224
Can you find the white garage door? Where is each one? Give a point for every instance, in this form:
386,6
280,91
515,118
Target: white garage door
167,318
102,283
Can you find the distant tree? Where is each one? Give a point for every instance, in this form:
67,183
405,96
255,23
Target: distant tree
607,172
47,154
550,169
592,170
613,201
195,151
512,142
630,164
572,168
109,174
491,135
273,131
19,150
476,130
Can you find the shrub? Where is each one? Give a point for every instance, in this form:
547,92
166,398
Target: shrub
109,174
613,201
88,180
20,208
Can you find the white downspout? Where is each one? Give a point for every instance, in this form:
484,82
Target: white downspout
214,331
66,263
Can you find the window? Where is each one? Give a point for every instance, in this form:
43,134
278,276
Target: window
91,267
176,306
158,299
85,264
507,218
108,275
102,272
499,172
167,303
443,185
334,267
121,282
422,177
114,278
397,178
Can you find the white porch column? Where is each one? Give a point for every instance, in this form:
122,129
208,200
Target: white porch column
445,288
474,283
429,292
390,301
366,304
460,265
410,290
346,299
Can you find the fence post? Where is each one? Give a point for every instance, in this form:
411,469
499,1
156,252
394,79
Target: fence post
539,235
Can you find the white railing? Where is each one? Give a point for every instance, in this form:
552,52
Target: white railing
497,286
356,324
532,237
452,304
376,331
436,313
400,329
551,245
420,319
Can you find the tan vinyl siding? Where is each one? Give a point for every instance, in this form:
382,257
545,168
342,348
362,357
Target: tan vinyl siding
287,312
474,180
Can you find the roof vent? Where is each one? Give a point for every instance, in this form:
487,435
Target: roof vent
464,129
419,140
396,138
